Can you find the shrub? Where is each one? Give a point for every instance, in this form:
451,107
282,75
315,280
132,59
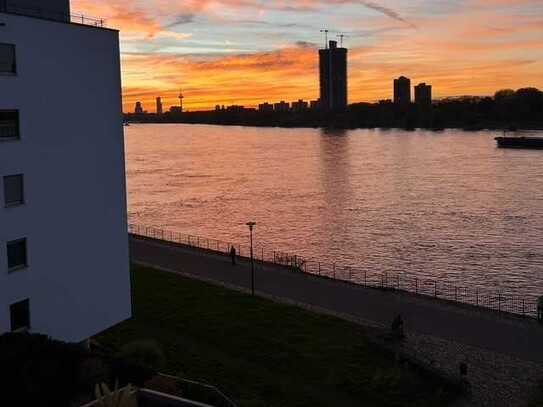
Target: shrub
92,371
38,371
144,353
137,362
125,397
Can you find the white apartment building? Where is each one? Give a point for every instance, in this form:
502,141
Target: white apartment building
64,265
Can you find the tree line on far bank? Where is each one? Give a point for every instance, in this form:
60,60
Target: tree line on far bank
507,109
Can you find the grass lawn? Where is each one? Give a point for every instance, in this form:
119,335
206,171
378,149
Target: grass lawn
536,400
265,354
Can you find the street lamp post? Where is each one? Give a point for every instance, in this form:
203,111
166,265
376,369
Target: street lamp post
251,227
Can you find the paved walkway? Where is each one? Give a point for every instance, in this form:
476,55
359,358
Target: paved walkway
516,337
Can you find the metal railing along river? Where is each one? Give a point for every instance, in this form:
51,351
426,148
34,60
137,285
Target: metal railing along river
472,295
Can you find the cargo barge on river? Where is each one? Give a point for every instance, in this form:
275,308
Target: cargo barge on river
520,142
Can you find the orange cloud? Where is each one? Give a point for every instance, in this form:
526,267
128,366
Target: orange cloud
476,47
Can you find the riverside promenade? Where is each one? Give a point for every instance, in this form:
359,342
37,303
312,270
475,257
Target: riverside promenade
498,332
504,352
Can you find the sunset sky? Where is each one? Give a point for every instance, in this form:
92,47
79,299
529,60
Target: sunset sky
250,51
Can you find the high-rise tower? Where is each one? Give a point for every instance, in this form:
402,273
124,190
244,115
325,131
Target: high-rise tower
423,95
333,77
159,109
402,91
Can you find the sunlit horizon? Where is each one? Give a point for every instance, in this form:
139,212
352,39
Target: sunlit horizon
248,52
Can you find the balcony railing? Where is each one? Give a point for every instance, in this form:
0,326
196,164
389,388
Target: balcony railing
47,14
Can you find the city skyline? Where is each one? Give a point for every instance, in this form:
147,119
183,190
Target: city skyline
232,52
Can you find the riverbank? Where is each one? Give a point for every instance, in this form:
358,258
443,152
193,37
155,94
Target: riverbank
521,109
332,125
262,353
503,353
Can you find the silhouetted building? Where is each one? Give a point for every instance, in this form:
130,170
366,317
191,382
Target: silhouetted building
402,91
139,108
176,109
235,109
299,106
265,107
423,94
333,77
282,106
315,104
65,211
159,106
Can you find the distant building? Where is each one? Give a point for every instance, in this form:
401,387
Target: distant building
139,108
159,106
333,77
265,107
402,91
176,109
217,108
423,94
282,106
315,104
299,106
235,109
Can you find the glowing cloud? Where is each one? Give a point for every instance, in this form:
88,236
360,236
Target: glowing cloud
249,51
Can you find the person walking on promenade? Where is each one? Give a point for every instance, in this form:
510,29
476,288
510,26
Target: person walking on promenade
233,255
397,328
540,309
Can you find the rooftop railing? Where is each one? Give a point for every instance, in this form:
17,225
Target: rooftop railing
47,14
498,300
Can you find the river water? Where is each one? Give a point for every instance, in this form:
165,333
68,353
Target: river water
446,205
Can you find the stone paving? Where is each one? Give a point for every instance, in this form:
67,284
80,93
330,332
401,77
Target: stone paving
496,380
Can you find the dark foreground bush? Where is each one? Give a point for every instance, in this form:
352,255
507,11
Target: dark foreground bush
137,362
144,353
40,372
37,371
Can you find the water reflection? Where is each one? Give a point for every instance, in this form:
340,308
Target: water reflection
335,179
449,206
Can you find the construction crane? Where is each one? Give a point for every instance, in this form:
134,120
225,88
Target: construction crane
341,37
325,31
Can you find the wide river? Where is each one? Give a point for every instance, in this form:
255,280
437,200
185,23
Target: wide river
446,205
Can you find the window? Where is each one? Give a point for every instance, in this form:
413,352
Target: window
20,315
7,59
13,190
9,124
16,254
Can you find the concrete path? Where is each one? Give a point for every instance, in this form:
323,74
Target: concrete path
517,337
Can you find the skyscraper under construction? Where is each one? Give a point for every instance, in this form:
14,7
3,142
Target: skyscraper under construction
333,77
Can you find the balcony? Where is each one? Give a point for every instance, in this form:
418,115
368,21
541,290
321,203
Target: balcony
52,15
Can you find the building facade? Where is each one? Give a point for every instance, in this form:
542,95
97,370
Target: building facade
333,77
281,106
299,106
402,91
265,107
58,10
64,266
423,95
